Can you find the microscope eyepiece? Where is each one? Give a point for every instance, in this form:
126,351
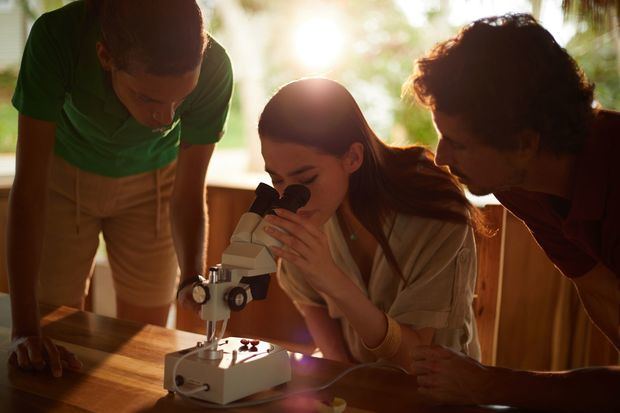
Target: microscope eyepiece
265,197
295,196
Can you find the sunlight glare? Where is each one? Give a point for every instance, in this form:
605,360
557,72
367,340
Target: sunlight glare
319,42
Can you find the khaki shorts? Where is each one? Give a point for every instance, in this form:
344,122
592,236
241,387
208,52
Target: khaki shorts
131,212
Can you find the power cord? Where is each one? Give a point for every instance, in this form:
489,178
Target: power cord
197,350
187,395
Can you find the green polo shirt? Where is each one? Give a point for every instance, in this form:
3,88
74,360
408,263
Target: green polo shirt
61,81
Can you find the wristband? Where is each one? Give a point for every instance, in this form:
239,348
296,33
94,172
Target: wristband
391,342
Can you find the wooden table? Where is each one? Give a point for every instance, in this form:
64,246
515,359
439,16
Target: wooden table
123,372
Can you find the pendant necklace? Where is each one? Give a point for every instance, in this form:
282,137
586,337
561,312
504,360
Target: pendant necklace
351,234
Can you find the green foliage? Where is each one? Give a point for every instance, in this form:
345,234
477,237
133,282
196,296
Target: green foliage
8,115
8,127
597,54
378,58
7,81
383,47
234,133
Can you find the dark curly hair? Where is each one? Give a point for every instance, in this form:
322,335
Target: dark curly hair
159,36
505,74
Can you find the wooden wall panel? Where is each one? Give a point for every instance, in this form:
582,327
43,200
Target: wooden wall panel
488,282
542,324
529,298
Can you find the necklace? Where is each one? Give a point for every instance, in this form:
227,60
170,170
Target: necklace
352,235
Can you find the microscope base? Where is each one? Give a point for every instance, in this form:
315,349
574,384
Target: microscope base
243,370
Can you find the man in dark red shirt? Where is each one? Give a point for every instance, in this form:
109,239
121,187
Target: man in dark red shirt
515,118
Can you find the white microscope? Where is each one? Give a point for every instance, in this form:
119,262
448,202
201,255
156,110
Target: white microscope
223,370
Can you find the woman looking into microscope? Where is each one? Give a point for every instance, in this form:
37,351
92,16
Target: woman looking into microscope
382,258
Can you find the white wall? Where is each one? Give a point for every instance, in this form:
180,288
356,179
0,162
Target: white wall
12,34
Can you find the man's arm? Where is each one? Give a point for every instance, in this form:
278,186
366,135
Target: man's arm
448,377
599,290
26,223
188,211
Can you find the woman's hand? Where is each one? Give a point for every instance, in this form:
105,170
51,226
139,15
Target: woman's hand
306,247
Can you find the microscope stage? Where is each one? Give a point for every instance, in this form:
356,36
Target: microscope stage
243,369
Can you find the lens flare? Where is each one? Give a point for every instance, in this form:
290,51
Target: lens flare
319,42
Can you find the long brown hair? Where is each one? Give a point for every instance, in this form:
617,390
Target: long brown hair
322,114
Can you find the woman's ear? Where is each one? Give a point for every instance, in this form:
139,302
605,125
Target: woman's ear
354,157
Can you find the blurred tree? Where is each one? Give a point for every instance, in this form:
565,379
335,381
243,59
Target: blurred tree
34,8
595,12
378,55
381,45
596,52
596,45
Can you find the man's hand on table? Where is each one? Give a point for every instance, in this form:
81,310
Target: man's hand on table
446,376
36,353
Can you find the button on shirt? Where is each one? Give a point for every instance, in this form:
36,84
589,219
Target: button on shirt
578,233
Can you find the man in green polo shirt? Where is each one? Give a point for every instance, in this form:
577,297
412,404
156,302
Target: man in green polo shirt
120,104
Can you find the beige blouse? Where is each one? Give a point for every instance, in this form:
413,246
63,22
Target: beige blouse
438,261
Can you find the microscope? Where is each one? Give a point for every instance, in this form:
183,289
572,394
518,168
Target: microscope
221,370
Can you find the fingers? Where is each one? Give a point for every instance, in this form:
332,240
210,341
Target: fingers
288,231
308,226
23,361
430,352
292,242
34,354
187,301
289,256
53,357
425,367
69,360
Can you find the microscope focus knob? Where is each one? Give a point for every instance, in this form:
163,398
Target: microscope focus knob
237,298
200,293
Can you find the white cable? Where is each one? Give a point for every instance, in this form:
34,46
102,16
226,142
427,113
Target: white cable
223,330
174,375
295,393
198,349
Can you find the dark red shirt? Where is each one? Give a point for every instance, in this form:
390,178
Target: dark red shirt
578,233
